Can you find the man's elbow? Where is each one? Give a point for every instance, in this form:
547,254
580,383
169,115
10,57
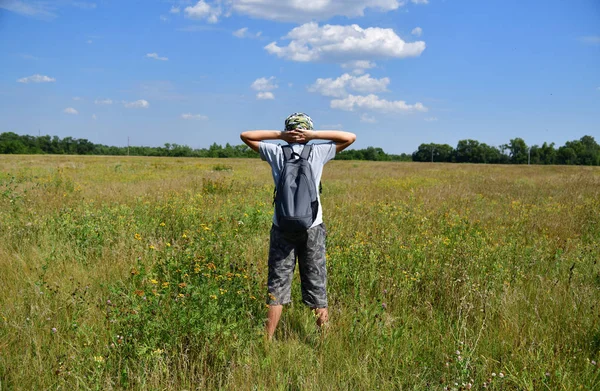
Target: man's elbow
351,138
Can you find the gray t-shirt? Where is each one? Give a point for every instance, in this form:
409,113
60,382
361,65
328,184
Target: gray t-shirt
321,154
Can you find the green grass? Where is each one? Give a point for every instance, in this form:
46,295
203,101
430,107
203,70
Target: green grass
150,273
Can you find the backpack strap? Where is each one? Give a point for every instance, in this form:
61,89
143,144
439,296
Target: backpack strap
287,152
306,151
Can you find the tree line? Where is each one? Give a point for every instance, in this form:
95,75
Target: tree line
584,151
13,143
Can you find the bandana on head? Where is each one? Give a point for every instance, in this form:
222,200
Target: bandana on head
297,121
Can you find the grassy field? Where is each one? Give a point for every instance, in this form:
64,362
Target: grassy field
150,274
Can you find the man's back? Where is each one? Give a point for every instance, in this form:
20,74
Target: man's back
320,155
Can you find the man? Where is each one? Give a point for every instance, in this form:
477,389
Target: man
308,246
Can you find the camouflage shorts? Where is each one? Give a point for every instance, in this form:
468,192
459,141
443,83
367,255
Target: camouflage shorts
309,248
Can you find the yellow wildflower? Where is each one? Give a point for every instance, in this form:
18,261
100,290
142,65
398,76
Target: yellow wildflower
162,224
165,284
137,237
99,359
182,285
213,297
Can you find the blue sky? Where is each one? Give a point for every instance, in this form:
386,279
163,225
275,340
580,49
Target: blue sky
396,73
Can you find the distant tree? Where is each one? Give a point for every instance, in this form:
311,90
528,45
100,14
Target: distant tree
566,155
370,153
403,157
518,151
588,152
536,154
435,152
547,154
467,151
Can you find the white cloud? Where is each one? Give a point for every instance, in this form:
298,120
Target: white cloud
138,104
359,66
338,88
431,119
264,87
175,10
163,18
77,98
367,118
417,31
373,102
38,10
89,41
299,11
265,95
241,33
70,110
37,78
45,10
103,101
244,33
420,1
333,43
203,10
591,39
156,57
264,84
94,117
193,116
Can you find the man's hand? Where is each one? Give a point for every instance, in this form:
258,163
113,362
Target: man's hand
297,136
303,135
290,136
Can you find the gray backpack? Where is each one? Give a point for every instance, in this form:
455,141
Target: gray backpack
295,198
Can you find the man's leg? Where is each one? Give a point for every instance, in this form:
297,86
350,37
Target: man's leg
282,261
273,319
313,273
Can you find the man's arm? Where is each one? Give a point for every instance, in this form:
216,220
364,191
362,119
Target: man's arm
341,139
253,137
